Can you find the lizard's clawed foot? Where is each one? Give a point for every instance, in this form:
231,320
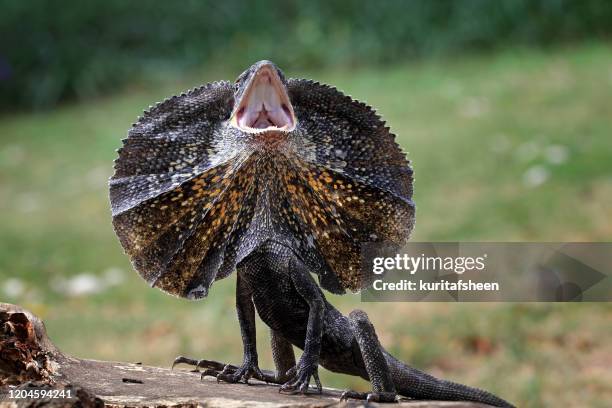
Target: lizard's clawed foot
369,396
248,369
229,372
301,379
207,365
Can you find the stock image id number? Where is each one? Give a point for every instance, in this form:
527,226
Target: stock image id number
39,394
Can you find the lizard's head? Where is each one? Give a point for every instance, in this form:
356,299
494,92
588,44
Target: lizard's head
261,102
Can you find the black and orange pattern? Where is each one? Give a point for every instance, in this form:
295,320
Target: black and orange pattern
192,196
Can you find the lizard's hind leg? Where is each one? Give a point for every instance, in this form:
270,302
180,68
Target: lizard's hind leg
383,389
284,361
284,357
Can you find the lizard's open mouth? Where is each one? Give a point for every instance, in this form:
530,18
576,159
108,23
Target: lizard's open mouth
265,105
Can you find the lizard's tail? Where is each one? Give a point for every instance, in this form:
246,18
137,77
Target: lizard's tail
413,383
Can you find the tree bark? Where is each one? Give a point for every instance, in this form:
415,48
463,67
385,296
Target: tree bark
29,362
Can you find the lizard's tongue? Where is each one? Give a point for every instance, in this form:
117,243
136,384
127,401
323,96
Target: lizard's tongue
262,121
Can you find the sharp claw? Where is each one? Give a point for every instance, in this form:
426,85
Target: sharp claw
287,387
297,386
183,360
348,394
304,388
202,363
208,372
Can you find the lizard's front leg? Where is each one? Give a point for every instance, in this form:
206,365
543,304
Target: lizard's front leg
383,388
309,361
246,319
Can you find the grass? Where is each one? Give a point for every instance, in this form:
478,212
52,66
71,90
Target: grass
512,146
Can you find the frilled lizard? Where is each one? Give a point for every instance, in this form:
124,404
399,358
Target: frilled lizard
277,179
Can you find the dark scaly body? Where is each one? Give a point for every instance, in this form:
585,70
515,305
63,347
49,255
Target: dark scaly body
289,174
280,304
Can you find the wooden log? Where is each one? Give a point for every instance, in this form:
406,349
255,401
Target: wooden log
30,363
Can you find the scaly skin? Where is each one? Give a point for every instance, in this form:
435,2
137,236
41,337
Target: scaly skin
298,314
276,179
192,195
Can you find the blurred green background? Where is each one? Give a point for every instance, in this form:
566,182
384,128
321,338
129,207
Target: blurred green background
504,107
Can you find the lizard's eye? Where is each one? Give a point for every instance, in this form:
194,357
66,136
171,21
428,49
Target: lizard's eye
240,81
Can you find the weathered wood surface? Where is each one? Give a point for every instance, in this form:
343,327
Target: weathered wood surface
28,360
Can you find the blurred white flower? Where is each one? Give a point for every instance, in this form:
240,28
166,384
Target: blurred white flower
556,154
13,287
535,176
82,284
88,283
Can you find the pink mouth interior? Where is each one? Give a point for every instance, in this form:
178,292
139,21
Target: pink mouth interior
265,105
